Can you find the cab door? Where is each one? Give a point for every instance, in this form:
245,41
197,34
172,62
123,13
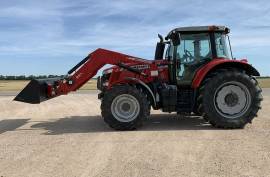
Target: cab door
193,52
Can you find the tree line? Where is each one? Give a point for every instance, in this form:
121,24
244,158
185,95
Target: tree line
23,77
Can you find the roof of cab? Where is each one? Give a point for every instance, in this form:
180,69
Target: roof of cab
191,29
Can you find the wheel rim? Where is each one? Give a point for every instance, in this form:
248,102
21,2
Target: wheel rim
232,99
125,108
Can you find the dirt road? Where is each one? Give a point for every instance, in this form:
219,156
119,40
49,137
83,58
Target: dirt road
67,137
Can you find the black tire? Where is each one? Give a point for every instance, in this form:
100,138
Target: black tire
113,121
212,86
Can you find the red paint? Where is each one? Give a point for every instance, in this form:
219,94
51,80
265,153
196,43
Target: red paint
101,57
49,91
119,76
201,73
244,60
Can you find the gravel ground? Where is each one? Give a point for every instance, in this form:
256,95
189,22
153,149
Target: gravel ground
67,137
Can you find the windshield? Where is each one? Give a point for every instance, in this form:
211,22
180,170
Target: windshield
222,46
200,49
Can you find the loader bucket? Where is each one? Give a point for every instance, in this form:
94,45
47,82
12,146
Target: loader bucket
36,91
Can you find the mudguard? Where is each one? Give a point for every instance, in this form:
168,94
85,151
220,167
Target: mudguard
222,63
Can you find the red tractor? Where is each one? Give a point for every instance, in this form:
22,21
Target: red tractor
197,74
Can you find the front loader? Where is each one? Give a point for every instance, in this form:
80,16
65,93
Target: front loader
193,72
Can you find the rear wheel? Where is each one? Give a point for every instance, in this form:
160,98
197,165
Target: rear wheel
124,107
229,99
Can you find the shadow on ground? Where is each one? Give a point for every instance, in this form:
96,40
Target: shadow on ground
88,124
11,124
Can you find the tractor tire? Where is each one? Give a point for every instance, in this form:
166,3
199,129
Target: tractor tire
124,107
229,98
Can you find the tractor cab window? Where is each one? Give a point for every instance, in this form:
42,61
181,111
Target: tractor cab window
169,52
222,46
193,50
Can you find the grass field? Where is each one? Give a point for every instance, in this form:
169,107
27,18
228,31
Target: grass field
19,85
264,82
91,85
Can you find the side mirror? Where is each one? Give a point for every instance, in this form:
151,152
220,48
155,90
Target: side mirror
175,38
159,51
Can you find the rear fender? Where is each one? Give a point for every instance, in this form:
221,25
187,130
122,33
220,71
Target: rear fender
222,63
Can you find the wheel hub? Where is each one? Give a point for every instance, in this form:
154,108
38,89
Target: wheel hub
125,108
232,99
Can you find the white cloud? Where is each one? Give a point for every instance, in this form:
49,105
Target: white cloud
65,27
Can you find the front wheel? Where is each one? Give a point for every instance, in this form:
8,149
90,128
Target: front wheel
230,99
124,107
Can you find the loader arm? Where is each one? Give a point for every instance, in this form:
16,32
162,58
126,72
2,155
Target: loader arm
97,60
43,89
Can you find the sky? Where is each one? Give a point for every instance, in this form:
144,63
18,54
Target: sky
49,37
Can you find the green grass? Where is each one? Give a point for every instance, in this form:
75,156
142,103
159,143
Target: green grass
91,85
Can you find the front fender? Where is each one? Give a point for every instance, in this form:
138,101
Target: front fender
133,80
222,63
146,87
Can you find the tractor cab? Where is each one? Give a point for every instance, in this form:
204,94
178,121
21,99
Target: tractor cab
190,48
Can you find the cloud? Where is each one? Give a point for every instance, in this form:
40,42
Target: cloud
66,28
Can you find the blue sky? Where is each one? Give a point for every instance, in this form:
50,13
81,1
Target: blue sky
49,37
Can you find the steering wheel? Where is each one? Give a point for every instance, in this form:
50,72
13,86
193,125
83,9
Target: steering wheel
188,56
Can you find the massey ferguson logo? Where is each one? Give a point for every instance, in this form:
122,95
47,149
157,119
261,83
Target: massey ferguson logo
140,67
